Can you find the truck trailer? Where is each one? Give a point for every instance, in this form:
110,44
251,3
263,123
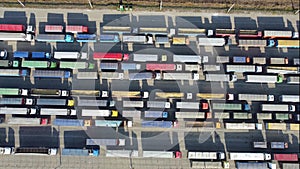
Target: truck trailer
263,79
49,92
206,155
220,77
278,107
250,156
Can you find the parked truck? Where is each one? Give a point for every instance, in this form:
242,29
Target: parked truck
277,34
112,38
76,65
241,126
99,113
54,102
252,43
262,145
279,61
79,152
241,59
279,145
264,78
109,65
13,91
24,121
250,156
17,110
76,29
54,28
87,75
89,93
54,38
40,55
159,154
206,155
4,36
155,114
142,76
49,92
220,77
248,165
159,124
130,66
283,43
35,64
145,57
278,107
51,74
35,151
158,104
105,142
179,76
290,98
12,28
67,122
252,97
57,112
211,68
139,104
66,55
203,41
14,72
187,58
180,40
285,157
243,68
275,126
16,101
190,115
231,106
86,38
130,94
143,39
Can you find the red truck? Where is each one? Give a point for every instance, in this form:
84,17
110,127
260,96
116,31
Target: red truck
54,28
161,67
12,28
76,29
110,56
286,157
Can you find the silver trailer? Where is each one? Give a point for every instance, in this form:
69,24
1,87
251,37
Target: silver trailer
277,107
131,113
293,80
145,58
260,145
243,68
187,105
111,75
17,110
192,67
264,116
158,104
95,113
220,77
202,41
290,98
261,78
187,58
134,39
252,43
16,101
190,115
24,121
158,154
57,112
92,102
256,97
221,115
52,102
87,75
139,104
180,76
211,68
222,59
15,36
278,61
130,66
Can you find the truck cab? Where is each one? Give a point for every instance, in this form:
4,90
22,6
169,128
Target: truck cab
52,151
6,150
3,54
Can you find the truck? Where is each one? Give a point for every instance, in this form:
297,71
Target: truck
16,101
259,60
275,126
190,115
191,32
139,104
76,29
283,43
159,154
155,114
252,97
179,76
160,67
54,102
87,75
6,150
145,57
35,64
54,28
250,156
161,39
277,34
57,112
105,142
114,38
3,54
110,56
221,115
40,55
211,68
247,165
252,43
130,94
16,110
49,92
203,41
159,124
191,67
51,74
66,55
54,38
289,98
13,91
94,103
131,113
86,38
14,72
243,68
35,151
116,29
290,165
296,61
279,145
68,122
220,77
108,123
99,113
264,116
192,155
231,106
240,126
279,61
121,153
76,65
241,59
282,116
241,115
222,59
262,145
87,93
130,66
293,80
143,39
24,121
187,58
249,34
270,78
153,30
21,54
283,69
285,157
192,105
12,28
221,32
79,152
142,76
109,65
158,104
206,164
180,40
4,36
278,107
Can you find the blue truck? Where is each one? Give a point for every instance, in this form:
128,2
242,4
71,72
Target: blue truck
21,54
142,76
113,38
155,114
109,65
161,124
40,55
79,152
241,59
130,66
68,122
54,38
86,38
51,74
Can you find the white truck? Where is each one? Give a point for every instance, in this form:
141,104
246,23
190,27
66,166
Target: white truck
158,154
211,68
187,105
206,155
179,76
279,61
278,107
250,156
158,104
243,68
290,98
252,97
220,77
262,145
188,58
203,41
66,55
139,104
6,150
145,57
262,79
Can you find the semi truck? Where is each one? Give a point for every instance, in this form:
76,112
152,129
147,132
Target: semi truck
285,157
57,112
16,101
113,38
54,102
187,105
14,72
4,36
54,28
99,113
24,121
139,104
145,58
13,91
21,54
35,64
220,77
87,75
240,126
279,61
283,43
76,65
86,38
243,68
12,28
88,93
250,156
160,67
252,43
179,76
142,76
187,58
158,104
143,39
190,115
79,152
40,55
35,151
54,38
110,56
262,145
155,114
241,59
105,142
206,155
252,97
160,154
278,107
289,98
277,34
264,78
293,80
17,110
248,165
130,66
279,145
109,65
231,106
68,122
180,40
67,55
49,92
130,94
283,70
203,41
159,124
275,126
76,29
51,74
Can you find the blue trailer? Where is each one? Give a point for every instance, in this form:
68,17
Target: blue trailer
108,123
86,38
141,76
19,54
109,65
68,122
155,114
54,38
109,38
51,74
241,59
40,55
161,124
79,152
130,66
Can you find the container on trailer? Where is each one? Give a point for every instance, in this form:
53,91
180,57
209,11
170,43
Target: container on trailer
160,124
55,102
155,114
193,115
105,142
38,64
130,66
263,79
68,122
20,54
16,101
158,104
260,145
141,76
145,57
290,98
285,157
203,41
54,28
279,145
206,155
16,110
250,156
57,112
241,59
210,68
40,55
187,58
220,77
109,38
51,74
76,29
222,59
109,65
158,154
87,75
54,38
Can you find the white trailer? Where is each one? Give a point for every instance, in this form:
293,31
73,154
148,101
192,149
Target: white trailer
92,102
221,115
139,104
276,34
250,156
87,75
121,153
190,115
17,111
192,67
222,59
131,113
15,36
95,113
264,116
211,68
202,41
279,61
243,68
262,79
158,154
220,77
111,75
134,39
187,105
277,107
180,76
240,126
260,144
206,164
158,104
187,58
290,98
293,80
24,121
206,155
57,112
256,97
66,55
145,58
